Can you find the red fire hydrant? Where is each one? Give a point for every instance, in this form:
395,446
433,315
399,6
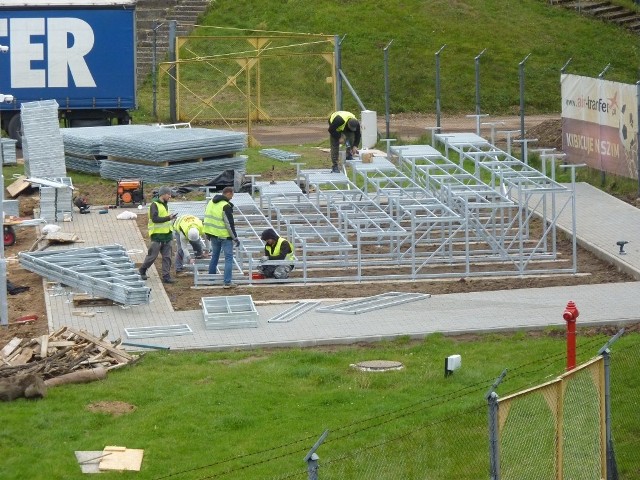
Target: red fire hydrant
570,315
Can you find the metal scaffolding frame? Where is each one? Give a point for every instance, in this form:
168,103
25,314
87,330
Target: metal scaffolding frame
535,196
105,271
415,214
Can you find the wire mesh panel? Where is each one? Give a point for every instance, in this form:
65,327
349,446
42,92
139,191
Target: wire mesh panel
416,451
556,430
625,358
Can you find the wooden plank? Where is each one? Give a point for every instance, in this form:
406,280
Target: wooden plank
17,187
24,356
11,346
121,458
62,237
44,345
61,343
57,333
118,354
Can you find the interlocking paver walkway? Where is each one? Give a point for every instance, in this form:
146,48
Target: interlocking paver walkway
602,220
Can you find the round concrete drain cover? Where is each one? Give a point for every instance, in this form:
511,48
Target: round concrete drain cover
378,365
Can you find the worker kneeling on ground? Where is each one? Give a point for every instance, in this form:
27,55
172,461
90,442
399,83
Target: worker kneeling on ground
187,230
82,202
276,248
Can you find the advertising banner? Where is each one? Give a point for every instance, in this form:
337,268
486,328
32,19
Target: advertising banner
600,124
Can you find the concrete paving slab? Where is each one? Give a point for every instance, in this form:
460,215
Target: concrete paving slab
602,220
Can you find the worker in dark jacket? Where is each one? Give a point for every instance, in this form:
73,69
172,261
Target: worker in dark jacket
161,235
276,248
82,202
343,128
220,229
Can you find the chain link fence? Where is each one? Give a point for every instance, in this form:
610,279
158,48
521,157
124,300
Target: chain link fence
556,430
548,429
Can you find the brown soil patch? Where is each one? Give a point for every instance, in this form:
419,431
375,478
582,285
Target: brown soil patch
112,408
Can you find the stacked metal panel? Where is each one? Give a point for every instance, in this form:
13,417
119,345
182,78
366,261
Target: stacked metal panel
56,203
154,154
281,155
86,165
169,145
8,146
42,146
11,208
177,172
89,141
236,311
105,271
83,147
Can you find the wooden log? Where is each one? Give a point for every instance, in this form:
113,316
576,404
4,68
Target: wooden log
80,376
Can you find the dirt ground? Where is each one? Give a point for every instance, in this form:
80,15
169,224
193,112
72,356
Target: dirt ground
184,297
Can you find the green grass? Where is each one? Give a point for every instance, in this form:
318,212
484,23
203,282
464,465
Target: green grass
257,413
509,31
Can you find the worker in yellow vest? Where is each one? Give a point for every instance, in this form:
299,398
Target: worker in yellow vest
160,226
343,128
187,230
219,227
276,248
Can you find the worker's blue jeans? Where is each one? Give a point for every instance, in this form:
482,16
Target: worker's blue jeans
226,245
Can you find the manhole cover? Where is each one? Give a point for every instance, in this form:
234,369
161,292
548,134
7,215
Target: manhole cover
378,365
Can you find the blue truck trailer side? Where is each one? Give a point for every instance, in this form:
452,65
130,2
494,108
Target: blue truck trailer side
80,53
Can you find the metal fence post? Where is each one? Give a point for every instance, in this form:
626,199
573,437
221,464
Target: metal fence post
386,86
172,72
477,66
494,448
521,77
154,66
438,86
612,466
338,87
312,458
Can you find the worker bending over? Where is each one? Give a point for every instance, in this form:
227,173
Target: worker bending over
187,230
276,248
343,128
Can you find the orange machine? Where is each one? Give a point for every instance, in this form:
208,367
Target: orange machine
129,192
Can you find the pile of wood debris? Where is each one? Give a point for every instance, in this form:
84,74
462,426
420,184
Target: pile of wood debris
63,352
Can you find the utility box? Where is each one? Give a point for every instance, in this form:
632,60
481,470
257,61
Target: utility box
369,128
451,363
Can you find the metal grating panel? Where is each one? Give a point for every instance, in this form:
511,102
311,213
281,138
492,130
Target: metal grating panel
159,331
375,302
237,311
293,312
